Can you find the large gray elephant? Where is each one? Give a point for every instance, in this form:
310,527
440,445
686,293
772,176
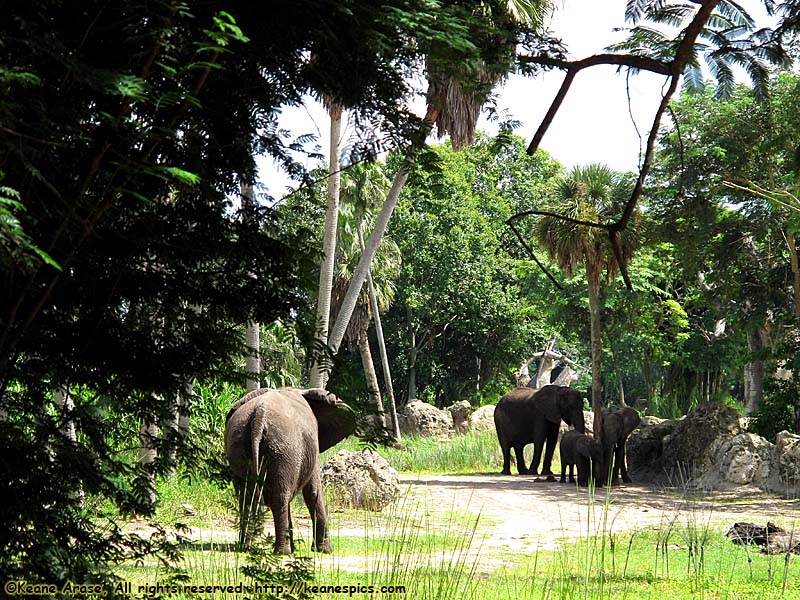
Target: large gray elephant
273,438
526,415
618,423
582,453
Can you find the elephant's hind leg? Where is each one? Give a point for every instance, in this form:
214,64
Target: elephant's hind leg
281,517
312,494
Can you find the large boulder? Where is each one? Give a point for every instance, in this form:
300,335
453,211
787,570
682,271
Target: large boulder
690,450
482,419
459,413
787,460
742,459
645,449
708,449
360,480
423,419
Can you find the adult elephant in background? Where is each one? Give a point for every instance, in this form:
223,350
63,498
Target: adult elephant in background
273,439
526,415
618,423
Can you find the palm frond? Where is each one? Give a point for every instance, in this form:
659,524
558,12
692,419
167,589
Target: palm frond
693,80
671,14
736,13
635,10
529,12
722,73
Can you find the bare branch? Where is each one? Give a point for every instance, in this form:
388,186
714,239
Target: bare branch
531,253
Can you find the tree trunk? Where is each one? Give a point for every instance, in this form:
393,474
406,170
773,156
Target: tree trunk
620,385
253,358
795,272
546,365
376,315
382,222
412,370
369,373
593,274
185,409
67,428
148,439
169,429
320,368
754,372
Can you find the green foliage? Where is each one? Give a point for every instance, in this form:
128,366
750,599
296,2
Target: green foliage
460,319
779,410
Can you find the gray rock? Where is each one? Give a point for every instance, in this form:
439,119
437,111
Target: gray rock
645,450
482,419
787,459
422,419
744,458
360,480
459,413
689,451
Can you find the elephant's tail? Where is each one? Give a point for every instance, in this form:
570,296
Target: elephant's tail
258,433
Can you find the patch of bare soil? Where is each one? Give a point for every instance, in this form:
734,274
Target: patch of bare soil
519,513
516,513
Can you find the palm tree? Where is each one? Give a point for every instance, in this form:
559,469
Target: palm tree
454,99
319,375
590,194
252,328
729,38
361,183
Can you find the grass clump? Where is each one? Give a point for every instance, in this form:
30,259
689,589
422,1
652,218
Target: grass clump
463,454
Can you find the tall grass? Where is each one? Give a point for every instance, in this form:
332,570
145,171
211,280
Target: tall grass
470,453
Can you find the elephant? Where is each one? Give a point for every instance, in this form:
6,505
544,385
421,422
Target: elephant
618,423
526,415
273,438
581,451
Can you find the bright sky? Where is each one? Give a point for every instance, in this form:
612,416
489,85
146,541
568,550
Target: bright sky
594,123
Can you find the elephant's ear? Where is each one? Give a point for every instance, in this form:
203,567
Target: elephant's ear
335,419
547,401
630,418
244,400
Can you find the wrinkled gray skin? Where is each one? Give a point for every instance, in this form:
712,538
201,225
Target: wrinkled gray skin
526,415
618,423
581,451
282,432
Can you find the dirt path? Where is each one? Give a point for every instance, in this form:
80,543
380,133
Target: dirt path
520,514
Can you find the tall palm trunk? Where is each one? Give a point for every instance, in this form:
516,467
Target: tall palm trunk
593,274
252,328
381,223
370,374
319,369
376,315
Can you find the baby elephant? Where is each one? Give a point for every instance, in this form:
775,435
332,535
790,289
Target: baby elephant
579,449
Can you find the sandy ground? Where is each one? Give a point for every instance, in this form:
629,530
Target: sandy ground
518,513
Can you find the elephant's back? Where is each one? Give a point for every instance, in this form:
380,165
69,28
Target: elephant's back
282,420
515,416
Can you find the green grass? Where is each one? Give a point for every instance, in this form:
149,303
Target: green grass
439,554
471,453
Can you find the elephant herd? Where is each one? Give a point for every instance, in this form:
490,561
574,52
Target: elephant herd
273,439
530,416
